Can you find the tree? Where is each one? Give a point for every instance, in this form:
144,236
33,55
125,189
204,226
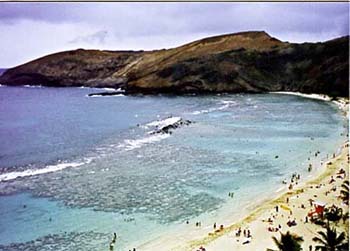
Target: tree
344,192
330,241
333,213
288,242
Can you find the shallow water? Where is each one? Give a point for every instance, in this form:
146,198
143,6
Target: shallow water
76,169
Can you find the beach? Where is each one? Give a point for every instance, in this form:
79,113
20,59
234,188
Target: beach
264,216
268,217
257,222
271,218
227,167
174,127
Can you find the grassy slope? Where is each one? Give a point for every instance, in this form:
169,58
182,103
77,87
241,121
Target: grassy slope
240,62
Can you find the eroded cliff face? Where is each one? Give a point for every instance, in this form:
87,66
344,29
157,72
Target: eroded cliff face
240,62
71,68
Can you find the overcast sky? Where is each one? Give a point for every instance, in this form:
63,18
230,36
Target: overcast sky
31,30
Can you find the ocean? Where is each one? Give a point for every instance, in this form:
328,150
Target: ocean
75,169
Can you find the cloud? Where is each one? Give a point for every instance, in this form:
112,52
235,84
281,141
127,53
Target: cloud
95,38
51,27
166,18
47,12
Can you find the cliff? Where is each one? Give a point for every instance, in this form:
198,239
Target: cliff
240,62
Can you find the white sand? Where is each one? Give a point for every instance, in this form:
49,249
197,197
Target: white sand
192,238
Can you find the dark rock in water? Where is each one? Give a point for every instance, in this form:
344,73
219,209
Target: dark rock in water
114,93
251,62
168,128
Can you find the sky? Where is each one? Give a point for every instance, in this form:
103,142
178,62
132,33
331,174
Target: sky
32,30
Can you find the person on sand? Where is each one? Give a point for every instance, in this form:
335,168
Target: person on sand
214,225
237,233
311,202
341,171
270,229
247,241
310,168
248,234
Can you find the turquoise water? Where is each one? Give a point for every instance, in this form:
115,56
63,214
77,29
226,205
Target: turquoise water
103,172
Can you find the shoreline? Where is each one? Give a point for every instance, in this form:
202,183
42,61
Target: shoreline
341,102
248,208
326,169
268,204
192,239
323,97
223,240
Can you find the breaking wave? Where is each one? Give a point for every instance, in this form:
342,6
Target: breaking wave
225,104
47,169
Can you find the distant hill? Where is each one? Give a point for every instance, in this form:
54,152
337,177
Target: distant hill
241,62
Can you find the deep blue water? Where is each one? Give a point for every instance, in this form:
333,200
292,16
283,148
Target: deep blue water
111,175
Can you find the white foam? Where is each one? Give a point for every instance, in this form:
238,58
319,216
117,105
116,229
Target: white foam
196,112
312,95
103,88
340,102
109,89
32,86
131,144
213,109
105,96
200,112
226,104
47,169
164,123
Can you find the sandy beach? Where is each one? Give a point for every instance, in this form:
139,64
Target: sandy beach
319,189
271,217
268,217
